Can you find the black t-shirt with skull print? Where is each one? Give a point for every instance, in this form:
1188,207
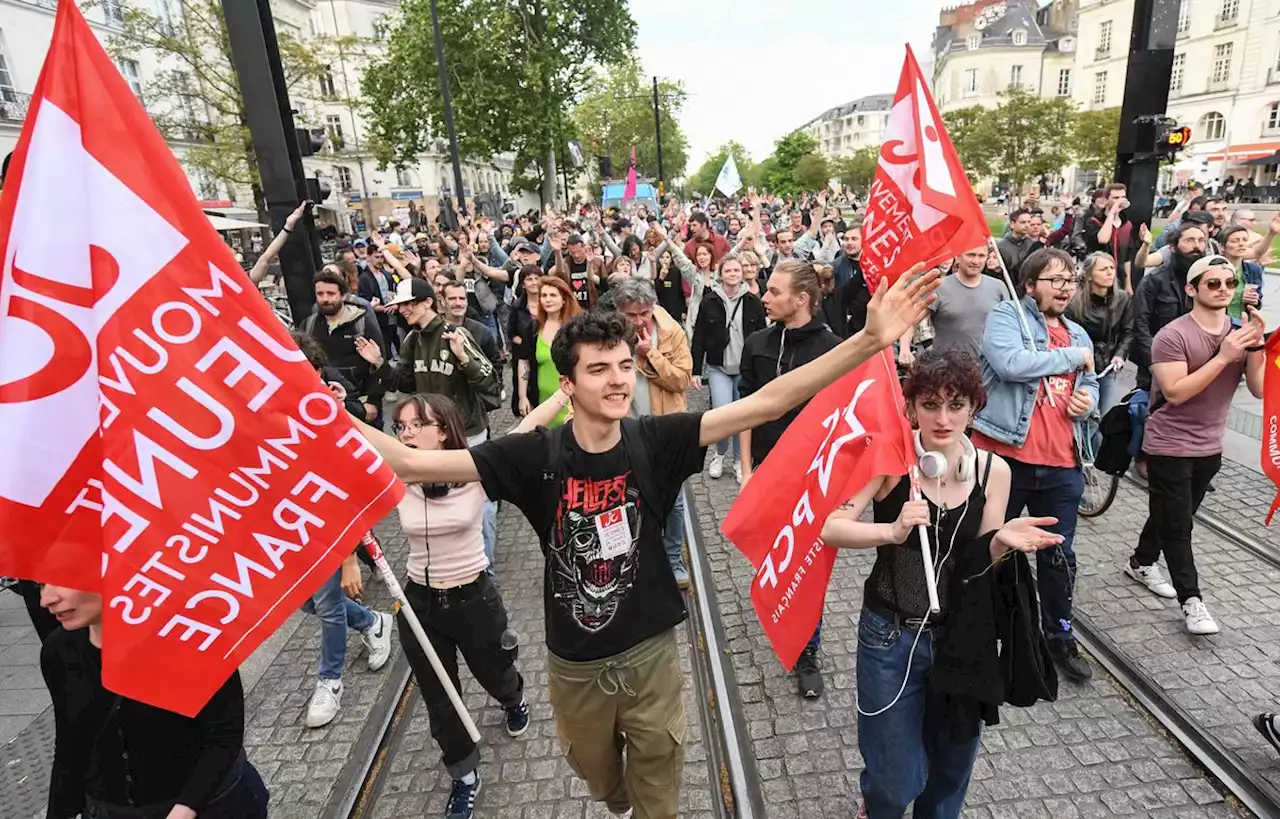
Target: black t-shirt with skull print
607,583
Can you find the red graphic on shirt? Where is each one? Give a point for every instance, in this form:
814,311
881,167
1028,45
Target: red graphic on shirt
590,586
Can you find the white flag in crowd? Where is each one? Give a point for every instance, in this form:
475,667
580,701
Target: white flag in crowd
728,182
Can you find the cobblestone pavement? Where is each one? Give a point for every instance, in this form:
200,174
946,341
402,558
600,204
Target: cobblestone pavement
301,765
1090,754
1241,498
1221,681
527,777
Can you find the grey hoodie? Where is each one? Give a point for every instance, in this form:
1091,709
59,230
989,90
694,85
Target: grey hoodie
732,352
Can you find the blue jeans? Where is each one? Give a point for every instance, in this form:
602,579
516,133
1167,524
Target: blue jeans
815,642
907,750
673,535
724,391
1108,392
337,613
1050,491
489,528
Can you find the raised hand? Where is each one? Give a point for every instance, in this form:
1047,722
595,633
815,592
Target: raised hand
458,346
896,307
292,219
369,351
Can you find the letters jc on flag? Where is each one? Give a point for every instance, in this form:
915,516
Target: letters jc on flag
849,433
164,441
921,207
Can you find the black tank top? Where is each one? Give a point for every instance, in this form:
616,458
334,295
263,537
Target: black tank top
897,579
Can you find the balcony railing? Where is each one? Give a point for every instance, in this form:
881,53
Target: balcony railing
13,106
1221,22
1102,53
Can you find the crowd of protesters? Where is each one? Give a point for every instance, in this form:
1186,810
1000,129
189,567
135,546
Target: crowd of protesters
606,319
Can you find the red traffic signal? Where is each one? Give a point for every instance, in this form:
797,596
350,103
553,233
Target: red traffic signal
1173,139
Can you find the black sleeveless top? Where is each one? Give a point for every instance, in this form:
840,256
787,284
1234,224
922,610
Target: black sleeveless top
897,579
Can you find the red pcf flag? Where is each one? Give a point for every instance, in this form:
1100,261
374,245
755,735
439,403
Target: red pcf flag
1271,418
921,207
630,191
848,434
164,441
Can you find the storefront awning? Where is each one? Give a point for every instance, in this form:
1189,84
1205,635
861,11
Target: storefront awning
244,214
1239,154
221,223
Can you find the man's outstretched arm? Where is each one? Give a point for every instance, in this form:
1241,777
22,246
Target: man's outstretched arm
892,310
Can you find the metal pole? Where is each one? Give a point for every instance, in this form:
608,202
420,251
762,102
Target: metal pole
657,132
446,100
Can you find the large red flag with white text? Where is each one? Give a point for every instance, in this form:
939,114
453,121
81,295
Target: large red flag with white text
164,441
848,434
921,207
1271,418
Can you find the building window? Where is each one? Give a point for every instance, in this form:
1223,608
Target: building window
326,83
1020,37
1184,16
1100,88
7,91
1221,63
1104,37
404,177
1273,116
1213,126
1015,76
129,69
111,11
333,128
343,173
1230,9
206,186
1064,82
1175,77
315,23
971,80
974,41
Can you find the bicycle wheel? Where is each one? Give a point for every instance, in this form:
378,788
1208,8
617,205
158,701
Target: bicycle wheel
1099,491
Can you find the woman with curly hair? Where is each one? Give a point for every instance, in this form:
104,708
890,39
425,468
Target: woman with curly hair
919,743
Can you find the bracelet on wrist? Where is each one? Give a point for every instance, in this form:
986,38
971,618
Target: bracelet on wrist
286,229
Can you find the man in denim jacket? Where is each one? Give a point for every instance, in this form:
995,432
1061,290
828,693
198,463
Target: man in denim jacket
1043,438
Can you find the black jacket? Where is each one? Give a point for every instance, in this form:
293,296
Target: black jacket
769,353
1015,251
522,325
711,329
1109,325
1160,299
339,345
852,297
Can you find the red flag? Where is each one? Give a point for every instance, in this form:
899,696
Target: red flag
630,191
1271,418
849,433
165,442
921,207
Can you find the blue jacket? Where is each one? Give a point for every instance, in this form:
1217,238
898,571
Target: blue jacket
1012,372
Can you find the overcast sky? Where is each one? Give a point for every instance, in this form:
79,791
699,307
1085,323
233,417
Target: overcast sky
757,69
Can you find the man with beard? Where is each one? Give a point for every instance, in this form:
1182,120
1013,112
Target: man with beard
345,323
1041,400
1162,295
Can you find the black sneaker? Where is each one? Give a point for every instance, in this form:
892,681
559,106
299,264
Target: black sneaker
1266,725
1067,656
462,799
808,673
517,719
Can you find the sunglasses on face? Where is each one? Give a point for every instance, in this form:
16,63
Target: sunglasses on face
1218,284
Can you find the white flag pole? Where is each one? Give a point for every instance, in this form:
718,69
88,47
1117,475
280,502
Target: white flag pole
1017,307
389,577
926,552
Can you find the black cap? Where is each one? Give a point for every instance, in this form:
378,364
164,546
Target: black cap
525,247
622,222
574,239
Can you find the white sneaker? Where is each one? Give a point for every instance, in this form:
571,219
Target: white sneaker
737,472
1199,621
378,640
1150,577
325,703
717,466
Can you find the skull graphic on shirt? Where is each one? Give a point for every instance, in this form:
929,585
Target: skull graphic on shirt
589,585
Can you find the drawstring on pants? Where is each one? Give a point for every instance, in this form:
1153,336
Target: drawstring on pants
611,685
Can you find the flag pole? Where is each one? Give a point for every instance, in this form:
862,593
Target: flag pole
1017,308
415,625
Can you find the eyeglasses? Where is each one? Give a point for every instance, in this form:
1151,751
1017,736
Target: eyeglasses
1061,282
1218,284
413,427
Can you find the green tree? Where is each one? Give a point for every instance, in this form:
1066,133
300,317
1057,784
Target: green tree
704,179
780,176
514,67
1034,136
858,169
616,113
812,172
1093,141
972,132
194,96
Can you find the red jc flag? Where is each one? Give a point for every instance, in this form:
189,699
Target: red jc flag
921,207
848,434
629,192
1271,418
166,444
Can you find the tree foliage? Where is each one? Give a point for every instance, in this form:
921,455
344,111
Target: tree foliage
704,179
1094,137
194,96
812,172
616,113
971,132
780,174
858,169
514,69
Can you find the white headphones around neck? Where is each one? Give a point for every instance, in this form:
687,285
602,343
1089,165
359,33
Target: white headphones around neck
933,465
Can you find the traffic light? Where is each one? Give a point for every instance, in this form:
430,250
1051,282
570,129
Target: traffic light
318,189
1171,138
310,140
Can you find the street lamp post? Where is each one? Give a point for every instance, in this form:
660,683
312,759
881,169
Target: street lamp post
446,100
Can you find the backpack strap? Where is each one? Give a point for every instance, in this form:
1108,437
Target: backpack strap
553,478
639,457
